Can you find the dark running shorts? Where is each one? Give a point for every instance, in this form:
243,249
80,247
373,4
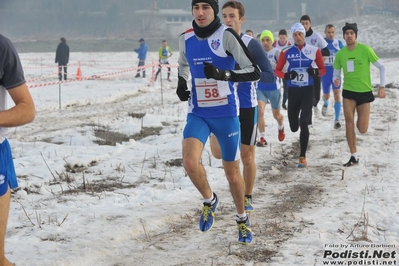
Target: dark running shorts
358,97
248,124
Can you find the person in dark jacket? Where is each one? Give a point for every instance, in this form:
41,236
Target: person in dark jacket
142,54
62,58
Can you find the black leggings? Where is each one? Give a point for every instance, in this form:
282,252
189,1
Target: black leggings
60,67
317,90
300,113
140,67
160,68
316,94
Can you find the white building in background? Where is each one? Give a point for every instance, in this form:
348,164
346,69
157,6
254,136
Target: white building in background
168,22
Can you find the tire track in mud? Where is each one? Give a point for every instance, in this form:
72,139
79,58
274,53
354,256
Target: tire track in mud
277,198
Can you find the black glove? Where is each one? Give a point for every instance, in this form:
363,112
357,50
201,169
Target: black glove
211,72
314,72
291,75
182,90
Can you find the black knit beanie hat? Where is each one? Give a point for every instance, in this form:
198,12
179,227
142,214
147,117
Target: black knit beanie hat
213,3
350,26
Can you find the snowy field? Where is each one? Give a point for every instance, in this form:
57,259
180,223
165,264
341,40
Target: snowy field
129,202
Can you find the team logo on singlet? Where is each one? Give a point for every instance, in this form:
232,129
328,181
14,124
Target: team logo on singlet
307,51
215,44
313,41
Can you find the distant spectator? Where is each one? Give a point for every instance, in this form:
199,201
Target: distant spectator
62,58
142,51
164,53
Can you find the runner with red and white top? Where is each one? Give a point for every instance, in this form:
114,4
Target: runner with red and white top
300,75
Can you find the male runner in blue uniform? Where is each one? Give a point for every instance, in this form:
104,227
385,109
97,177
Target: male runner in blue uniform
233,17
333,45
209,52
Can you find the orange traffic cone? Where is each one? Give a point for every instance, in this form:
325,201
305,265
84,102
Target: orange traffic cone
79,74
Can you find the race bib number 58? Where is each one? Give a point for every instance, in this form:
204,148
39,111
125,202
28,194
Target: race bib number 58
208,94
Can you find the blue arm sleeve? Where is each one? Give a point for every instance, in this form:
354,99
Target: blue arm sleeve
259,55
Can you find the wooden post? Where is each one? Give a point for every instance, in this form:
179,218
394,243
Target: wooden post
59,95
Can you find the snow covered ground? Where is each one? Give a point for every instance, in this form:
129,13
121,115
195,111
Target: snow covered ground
84,203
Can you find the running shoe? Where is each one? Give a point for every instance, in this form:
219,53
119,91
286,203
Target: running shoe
281,134
169,79
262,142
302,162
352,161
284,106
324,110
248,204
208,213
337,124
244,231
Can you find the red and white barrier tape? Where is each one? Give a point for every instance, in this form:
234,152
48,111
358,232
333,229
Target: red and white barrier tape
152,65
48,66
42,77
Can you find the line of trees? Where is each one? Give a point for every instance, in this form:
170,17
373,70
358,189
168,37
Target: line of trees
115,18
256,8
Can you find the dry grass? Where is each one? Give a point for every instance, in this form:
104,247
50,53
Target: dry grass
359,230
